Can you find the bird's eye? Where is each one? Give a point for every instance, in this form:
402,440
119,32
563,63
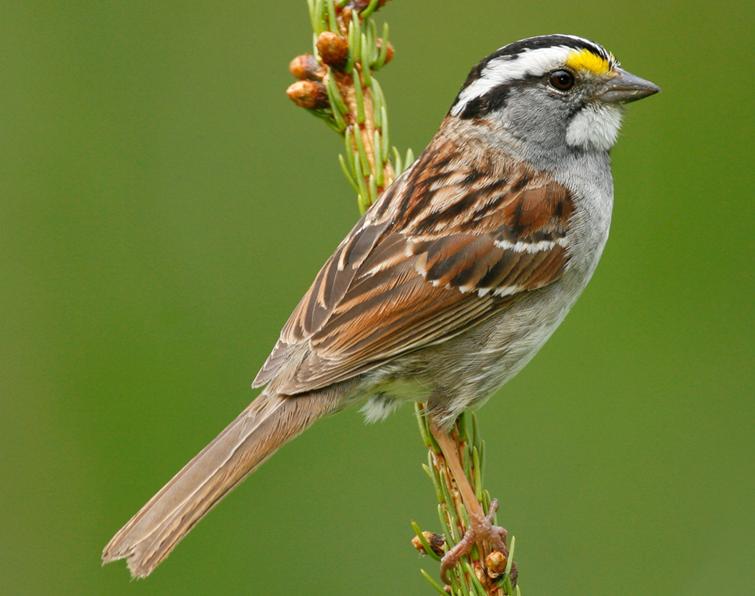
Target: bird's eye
562,80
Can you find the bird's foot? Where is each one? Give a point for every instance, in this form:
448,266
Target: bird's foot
482,530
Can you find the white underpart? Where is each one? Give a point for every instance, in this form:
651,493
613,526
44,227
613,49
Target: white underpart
511,68
378,409
595,126
390,395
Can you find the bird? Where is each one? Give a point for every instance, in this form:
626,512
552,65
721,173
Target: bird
449,283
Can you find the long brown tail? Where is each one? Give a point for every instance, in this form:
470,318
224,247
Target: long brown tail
264,426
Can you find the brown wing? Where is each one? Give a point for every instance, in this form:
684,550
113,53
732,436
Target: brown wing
444,248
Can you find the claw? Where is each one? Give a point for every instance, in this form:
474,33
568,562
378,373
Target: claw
482,530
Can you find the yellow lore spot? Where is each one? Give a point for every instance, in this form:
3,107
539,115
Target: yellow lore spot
585,60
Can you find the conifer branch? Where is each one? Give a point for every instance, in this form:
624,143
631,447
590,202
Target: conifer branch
336,83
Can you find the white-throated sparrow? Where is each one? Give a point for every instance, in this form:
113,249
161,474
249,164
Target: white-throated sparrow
448,285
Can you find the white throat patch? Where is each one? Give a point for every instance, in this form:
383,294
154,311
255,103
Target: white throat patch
596,126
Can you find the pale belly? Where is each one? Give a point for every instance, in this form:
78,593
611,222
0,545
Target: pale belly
464,371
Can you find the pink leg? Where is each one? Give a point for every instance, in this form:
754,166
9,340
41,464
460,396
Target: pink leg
482,530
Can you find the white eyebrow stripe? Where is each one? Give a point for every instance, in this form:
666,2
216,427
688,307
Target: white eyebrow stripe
510,68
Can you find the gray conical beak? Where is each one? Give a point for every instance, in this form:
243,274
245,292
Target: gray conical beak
626,87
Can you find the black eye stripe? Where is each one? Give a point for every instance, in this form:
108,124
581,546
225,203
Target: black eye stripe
496,98
482,105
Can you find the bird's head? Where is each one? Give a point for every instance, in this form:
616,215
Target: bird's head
553,91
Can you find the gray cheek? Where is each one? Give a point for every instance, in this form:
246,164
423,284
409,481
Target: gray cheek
533,116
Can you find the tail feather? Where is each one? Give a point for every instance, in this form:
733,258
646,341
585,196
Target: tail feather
264,426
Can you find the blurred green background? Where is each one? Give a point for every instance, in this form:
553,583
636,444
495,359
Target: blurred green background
163,208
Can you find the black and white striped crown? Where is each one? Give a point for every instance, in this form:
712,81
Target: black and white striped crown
488,83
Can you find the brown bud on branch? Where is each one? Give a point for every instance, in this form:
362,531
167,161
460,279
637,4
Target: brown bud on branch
333,49
306,67
495,563
388,53
436,541
311,95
